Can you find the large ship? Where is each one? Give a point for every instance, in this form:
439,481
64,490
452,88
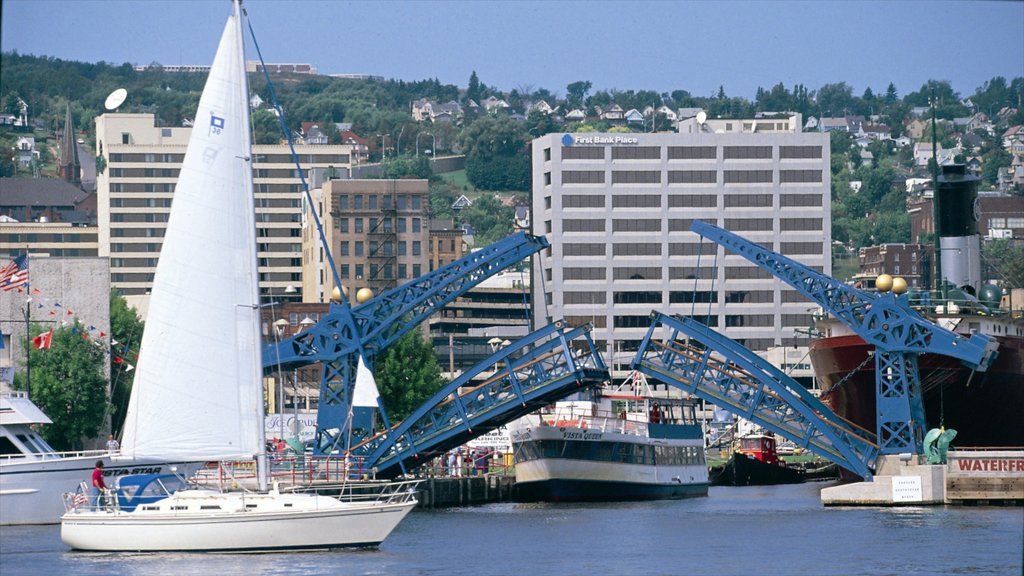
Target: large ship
984,407
617,446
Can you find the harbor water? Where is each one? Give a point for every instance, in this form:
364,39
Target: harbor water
751,530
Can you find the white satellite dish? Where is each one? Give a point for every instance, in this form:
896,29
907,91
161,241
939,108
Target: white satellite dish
116,98
702,117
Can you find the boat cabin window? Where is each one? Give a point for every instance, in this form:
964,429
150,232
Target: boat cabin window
7,447
34,443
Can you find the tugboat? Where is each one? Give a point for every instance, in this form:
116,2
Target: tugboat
756,462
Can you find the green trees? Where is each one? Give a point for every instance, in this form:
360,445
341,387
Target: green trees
497,157
68,384
125,334
407,375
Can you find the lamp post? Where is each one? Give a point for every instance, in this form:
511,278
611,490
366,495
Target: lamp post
418,142
399,144
279,329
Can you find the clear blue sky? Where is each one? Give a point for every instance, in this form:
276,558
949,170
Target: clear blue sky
662,46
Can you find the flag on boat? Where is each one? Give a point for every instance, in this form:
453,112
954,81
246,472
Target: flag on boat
43,341
14,274
366,393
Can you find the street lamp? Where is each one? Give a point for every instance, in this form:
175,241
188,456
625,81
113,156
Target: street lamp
400,132
279,329
418,142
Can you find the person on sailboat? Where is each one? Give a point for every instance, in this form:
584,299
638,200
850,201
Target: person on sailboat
96,498
112,445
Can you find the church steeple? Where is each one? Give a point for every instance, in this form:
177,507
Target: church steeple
70,167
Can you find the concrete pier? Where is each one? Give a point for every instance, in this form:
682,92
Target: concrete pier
968,477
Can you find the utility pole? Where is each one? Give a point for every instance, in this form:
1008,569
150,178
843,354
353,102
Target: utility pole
939,284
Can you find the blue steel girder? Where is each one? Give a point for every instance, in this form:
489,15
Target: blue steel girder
545,366
883,320
741,382
378,323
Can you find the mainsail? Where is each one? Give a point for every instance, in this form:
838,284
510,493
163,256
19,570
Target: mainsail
197,392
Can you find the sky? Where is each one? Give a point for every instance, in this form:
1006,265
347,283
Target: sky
635,45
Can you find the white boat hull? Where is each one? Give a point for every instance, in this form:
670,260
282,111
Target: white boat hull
31,489
244,523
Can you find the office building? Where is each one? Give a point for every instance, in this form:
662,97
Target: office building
617,209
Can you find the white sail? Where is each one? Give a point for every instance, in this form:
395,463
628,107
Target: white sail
197,392
365,393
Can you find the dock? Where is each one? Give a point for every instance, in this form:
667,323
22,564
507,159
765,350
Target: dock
969,477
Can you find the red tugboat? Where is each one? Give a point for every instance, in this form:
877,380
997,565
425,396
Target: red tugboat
756,462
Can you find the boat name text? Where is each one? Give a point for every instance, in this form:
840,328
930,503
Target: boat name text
574,435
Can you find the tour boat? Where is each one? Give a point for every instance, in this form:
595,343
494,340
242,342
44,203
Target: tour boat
621,445
198,389
33,475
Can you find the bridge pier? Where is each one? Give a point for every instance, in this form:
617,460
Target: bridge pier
465,491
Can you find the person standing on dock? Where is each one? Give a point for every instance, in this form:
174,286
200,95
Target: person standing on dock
98,486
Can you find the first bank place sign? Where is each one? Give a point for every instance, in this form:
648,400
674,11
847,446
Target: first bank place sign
595,140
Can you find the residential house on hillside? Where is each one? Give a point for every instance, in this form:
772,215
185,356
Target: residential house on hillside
26,150
492,104
540,105
424,109
1013,140
978,121
826,124
613,113
312,134
633,116
876,131
923,153
576,115
360,146
914,128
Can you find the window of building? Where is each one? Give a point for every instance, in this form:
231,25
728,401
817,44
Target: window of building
635,201
692,201
747,176
636,225
637,249
593,273
689,297
343,225
583,177
692,177
583,225
748,224
636,273
372,201
416,225
787,152
636,177
359,248
798,176
580,201
636,153
581,153
584,297
637,298
748,201
583,249
747,152
786,200
344,249
692,153
357,202
797,224
416,248
358,225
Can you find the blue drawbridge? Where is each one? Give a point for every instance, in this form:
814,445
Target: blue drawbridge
698,360
546,366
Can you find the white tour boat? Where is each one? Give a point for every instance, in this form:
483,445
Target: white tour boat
33,475
622,445
198,389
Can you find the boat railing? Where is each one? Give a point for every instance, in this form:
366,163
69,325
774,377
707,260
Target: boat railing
56,455
289,469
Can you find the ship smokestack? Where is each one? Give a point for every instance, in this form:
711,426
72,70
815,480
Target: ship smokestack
958,228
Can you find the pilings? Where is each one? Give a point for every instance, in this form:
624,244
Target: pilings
462,491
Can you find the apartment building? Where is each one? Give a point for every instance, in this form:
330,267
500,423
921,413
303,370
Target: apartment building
140,163
617,209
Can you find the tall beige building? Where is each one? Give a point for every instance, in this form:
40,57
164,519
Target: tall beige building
378,231
617,209
141,161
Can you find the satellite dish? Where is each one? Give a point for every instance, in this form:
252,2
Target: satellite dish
116,98
702,117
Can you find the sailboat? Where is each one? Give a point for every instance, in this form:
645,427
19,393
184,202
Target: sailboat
198,390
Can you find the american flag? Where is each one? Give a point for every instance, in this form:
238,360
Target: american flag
14,274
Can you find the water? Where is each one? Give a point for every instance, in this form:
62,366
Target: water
754,530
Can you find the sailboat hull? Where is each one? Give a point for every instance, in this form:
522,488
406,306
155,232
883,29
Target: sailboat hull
202,521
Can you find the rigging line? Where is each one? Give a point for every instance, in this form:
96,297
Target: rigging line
302,178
